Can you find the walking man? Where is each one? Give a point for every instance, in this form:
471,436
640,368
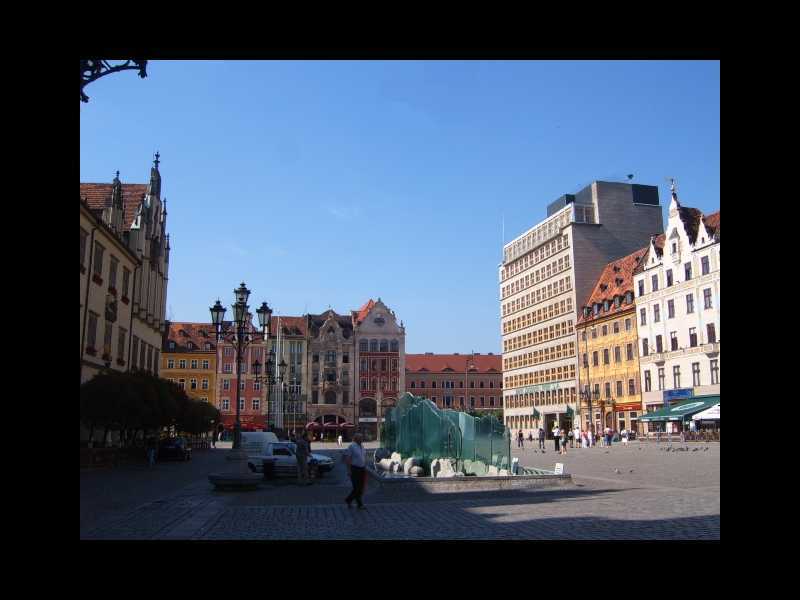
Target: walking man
356,461
541,438
339,440
556,438
520,438
302,459
151,451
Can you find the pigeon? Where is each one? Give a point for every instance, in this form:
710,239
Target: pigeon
606,452
695,449
631,471
705,449
616,470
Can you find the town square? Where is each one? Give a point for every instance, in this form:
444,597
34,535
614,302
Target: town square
400,300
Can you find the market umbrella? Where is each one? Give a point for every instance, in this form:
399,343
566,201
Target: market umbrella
314,426
347,425
331,426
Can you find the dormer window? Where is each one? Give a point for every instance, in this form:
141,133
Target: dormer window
605,306
190,345
674,248
629,297
597,309
208,346
616,302
171,345
586,311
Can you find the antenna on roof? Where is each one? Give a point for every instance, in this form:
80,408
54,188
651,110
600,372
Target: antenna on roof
630,176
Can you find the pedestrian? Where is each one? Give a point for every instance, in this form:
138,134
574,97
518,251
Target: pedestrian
590,435
584,439
520,440
556,438
530,436
563,434
608,436
356,461
571,436
541,438
301,454
213,439
339,440
151,451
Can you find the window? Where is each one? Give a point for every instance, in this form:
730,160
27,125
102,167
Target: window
121,344
394,364
433,384
193,383
384,345
604,330
481,384
98,259
617,354
182,363
256,403
711,333
595,361
645,348
689,304
656,313
491,401
314,397
673,340
241,403
364,365
647,383
670,309
641,287
227,368
373,345
616,326
669,277
345,358
631,387
170,363
395,346
226,384
171,345
182,383
696,374
205,364
109,330
135,352
315,358
126,279
704,266
659,345
472,401
692,337
362,346
112,273
707,298
204,399
194,363
654,281
84,235
643,316
472,384
228,351
619,388
594,333
629,352
661,378
606,356
226,404
627,325
383,364
204,383
687,271
714,372
608,390
676,376
585,361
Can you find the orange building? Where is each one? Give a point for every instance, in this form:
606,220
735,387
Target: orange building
189,358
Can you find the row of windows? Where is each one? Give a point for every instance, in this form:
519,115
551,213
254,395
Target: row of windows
606,305
449,385
542,253
552,374
538,315
674,342
697,379
541,398
705,269
225,404
192,383
633,389
539,336
543,293
375,346
449,402
97,266
190,345
554,268
607,356
143,355
384,383
707,304
182,363
604,330
540,356
378,364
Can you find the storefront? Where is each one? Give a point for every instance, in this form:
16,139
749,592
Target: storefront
707,419
627,416
677,418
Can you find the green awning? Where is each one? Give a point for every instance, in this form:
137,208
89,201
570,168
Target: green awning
679,412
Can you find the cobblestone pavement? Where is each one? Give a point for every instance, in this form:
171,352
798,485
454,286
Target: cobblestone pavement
667,496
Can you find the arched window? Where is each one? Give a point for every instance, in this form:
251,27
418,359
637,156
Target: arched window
395,346
362,346
373,345
384,346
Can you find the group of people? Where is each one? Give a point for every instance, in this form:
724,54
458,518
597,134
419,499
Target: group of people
561,437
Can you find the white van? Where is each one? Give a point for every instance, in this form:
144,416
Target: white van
255,442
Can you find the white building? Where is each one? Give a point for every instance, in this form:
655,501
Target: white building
547,272
677,307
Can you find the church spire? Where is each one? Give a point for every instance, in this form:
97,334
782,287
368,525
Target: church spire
155,178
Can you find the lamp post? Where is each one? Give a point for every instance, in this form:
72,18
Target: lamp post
94,68
241,341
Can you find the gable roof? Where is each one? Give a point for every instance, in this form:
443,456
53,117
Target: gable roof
615,280
712,223
290,325
439,363
361,314
183,333
658,242
98,197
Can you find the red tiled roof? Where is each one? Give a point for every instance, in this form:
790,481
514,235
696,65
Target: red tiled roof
437,363
615,280
183,333
361,314
658,242
290,325
712,223
98,197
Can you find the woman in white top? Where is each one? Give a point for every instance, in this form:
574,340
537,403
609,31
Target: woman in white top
624,435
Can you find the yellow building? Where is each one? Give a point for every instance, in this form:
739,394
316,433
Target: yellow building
608,350
189,358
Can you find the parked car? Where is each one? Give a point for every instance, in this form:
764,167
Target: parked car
285,459
174,448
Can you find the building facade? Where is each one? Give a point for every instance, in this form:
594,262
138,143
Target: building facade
608,346
677,289
543,273
124,287
463,382
287,406
380,343
189,359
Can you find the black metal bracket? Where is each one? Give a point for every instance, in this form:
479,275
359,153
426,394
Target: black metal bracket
93,69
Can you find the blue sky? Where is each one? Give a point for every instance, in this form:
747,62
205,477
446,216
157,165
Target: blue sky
331,182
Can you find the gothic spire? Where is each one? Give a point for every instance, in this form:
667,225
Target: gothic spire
155,178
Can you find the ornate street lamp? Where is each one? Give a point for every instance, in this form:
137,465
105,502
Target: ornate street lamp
93,69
